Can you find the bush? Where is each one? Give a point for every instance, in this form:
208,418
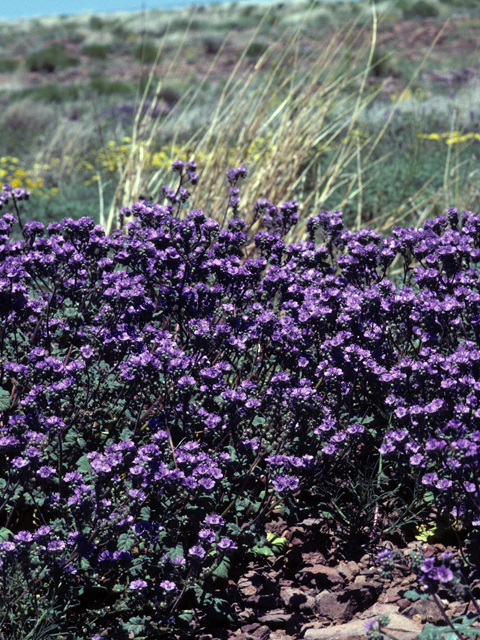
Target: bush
256,49
96,23
420,9
107,88
51,92
50,59
97,50
7,65
165,388
146,53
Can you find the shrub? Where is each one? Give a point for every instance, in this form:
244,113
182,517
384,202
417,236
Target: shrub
97,50
7,65
146,53
107,88
165,388
50,59
256,49
50,92
96,23
420,9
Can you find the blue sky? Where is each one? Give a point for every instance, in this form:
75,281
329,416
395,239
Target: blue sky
13,10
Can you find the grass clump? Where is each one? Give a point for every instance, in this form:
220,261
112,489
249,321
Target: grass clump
50,59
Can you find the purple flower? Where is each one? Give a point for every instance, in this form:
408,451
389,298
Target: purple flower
225,544
444,484
42,533
138,585
24,537
445,574
168,586
46,471
20,463
197,552
179,561
214,520
368,626
417,460
330,449
55,546
7,547
207,535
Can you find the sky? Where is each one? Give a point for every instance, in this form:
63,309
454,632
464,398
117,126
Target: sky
14,10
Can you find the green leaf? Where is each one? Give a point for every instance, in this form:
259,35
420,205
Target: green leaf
430,632
277,542
216,608
4,400
83,465
4,533
136,625
223,569
426,531
125,542
262,551
414,595
186,616
145,513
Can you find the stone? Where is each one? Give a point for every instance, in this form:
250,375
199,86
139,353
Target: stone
319,576
249,584
280,635
297,600
277,618
348,570
262,601
313,558
249,628
426,610
261,633
343,605
401,627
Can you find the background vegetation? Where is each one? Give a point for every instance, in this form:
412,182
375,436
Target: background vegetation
332,104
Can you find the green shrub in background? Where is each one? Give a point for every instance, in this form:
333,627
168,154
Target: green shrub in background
96,50
7,65
256,49
146,52
419,9
102,86
50,59
96,23
51,92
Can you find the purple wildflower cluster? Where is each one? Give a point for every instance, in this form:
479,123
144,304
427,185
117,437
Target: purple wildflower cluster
161,386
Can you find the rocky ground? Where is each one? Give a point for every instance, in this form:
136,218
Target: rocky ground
319,592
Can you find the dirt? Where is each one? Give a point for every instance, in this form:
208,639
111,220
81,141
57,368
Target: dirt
321,590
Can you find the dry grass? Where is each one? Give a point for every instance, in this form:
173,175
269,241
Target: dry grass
279,124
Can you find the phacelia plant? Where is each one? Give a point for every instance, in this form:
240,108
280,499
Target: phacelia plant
166,388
